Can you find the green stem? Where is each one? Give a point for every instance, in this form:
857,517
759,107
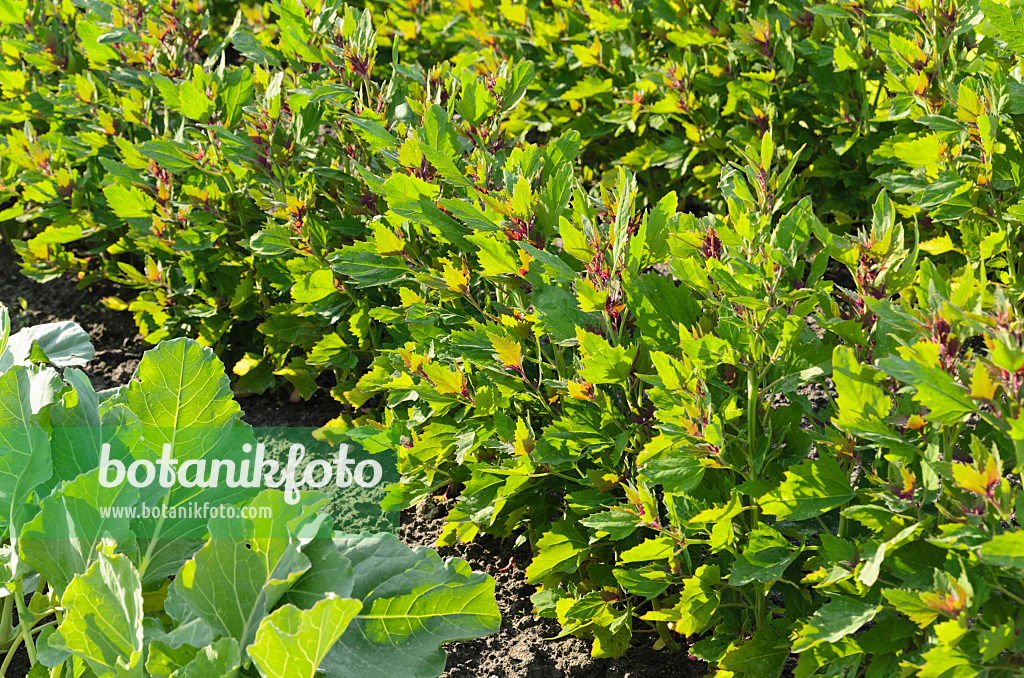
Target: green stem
760,608
559,361
752,394
664,632
6,627
10,656
1015,598
540,361
23,621
611,334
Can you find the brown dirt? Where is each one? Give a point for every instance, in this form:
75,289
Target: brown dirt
118,344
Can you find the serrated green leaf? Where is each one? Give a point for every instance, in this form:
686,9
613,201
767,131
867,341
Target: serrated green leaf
239,86
838,618
811,488
948,402
561,549
602,362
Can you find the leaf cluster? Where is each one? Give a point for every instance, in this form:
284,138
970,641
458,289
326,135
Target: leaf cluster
93,585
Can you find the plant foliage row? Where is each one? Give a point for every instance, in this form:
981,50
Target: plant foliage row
217,165
775,411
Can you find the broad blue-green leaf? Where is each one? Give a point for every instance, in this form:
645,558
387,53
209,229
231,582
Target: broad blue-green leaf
291,643
77,434
242,571
24,447
412,602
220,659
63,344
61,541
5,332
329,573
103,618
183,399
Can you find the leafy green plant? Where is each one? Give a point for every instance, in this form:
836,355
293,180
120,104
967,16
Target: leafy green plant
715,305
654,440
270,590
216,166
548,367
222,192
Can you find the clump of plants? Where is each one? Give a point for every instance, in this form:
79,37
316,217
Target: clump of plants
93,585
742,365
748,459
216,166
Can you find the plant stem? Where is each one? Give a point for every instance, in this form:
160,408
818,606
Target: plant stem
540,360
1017,599
559,361
10,656
751,416
23,621
6,628
664,632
